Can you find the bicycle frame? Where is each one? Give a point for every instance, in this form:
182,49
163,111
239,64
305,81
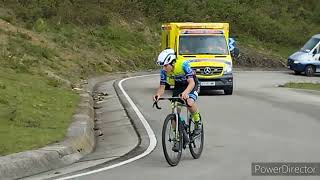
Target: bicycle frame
176,109
175,104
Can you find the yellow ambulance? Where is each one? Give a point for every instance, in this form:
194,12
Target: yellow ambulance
205,46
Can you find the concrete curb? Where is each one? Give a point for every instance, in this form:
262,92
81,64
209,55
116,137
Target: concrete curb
79,141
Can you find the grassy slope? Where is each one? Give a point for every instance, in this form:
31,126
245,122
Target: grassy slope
73,52
37,65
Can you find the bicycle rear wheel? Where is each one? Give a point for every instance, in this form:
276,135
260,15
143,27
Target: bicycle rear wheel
169,139
196,142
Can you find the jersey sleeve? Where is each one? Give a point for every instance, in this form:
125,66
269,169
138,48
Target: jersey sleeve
163,77
187,69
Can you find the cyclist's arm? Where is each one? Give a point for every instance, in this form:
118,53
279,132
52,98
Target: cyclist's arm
163,81
190,86
189,74
160,90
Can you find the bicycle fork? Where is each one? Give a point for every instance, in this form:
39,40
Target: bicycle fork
175,111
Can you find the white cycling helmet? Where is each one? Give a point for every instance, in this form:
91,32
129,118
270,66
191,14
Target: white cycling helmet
166,57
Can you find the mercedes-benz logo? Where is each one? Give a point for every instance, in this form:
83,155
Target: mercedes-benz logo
207,70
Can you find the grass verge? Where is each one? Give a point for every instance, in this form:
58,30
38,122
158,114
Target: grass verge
310,86
34,112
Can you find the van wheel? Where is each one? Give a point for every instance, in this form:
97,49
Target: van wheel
297,72
309,70
228,91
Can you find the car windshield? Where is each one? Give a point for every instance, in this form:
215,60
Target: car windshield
203,44
310,45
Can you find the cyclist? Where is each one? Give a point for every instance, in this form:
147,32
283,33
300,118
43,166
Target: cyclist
186,83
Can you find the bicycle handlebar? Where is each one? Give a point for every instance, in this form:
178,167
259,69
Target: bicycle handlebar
170,99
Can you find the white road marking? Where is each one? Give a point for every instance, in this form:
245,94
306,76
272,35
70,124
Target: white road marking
152,137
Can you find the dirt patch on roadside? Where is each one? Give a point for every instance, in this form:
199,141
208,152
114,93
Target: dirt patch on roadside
33,37
251,58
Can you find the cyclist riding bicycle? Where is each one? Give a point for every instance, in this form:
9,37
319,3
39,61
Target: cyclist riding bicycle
186,83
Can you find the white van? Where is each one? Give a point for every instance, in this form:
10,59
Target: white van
307,59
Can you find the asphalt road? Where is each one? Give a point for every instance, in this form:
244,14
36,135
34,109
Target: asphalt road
260,122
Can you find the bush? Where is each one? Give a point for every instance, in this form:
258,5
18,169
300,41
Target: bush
40,25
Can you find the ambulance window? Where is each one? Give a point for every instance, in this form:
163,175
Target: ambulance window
203,44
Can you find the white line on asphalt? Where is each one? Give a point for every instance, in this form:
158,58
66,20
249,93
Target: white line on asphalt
152,137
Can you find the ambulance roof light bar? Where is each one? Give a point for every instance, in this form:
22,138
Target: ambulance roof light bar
201,31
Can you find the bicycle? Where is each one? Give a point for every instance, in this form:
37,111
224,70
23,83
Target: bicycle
185,136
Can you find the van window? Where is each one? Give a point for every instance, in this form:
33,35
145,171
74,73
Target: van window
310,44
317,50
203,44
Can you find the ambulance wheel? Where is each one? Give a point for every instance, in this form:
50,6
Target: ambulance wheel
228,91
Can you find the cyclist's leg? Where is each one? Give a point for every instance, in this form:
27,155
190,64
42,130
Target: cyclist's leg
195,115
193,96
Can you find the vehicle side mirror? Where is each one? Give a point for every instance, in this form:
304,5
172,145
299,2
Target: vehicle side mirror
315,52
234,50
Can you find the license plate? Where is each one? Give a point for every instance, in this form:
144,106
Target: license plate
208,83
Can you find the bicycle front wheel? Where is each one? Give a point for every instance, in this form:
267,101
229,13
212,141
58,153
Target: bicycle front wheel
171,141
196,142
